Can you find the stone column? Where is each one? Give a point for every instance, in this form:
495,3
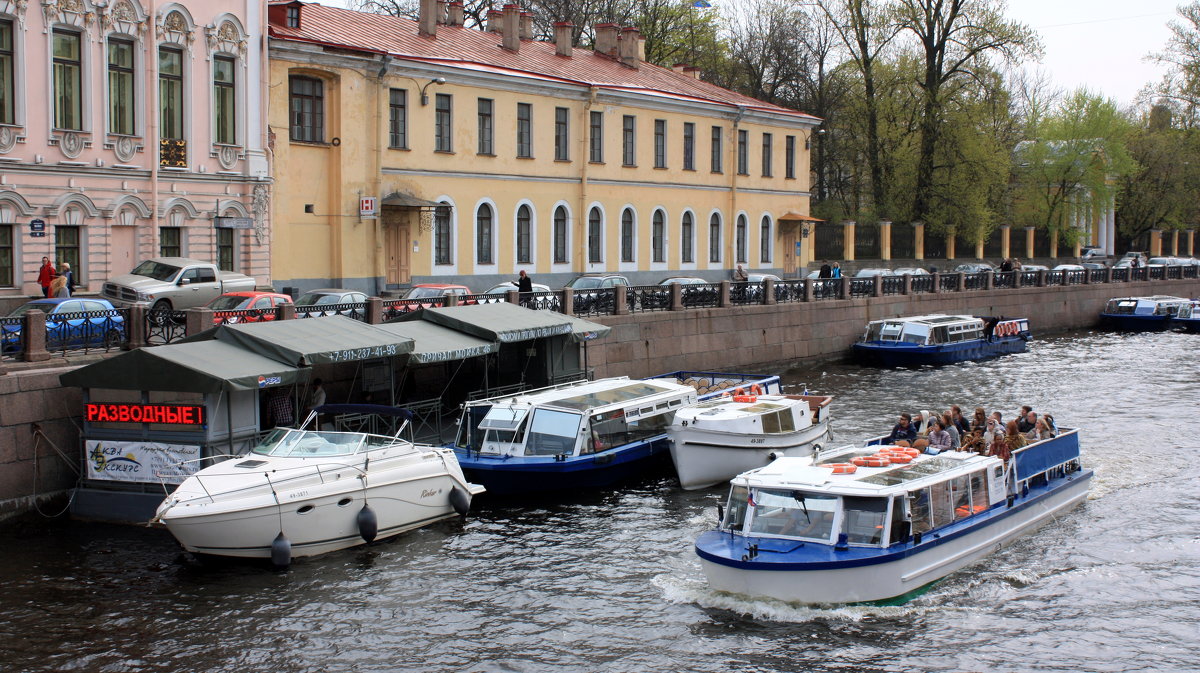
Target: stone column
844,290
723,301
198,320
285,312
885,239
937,282
989,281
978,249
877,289
33,337
374,310
951,245
566,301
676,296
451,300
808,289
622,300
1175,243
848,240
1191,243
906,287
512,297
1110,216
1005,232
1054,245
918,240
135,327
768,287
1029,231
1155,242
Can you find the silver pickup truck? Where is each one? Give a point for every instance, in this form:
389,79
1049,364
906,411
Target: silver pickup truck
174,283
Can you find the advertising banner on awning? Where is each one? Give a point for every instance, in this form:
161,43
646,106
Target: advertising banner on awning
146,462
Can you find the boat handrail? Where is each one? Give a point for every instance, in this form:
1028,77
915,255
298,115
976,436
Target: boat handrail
531,391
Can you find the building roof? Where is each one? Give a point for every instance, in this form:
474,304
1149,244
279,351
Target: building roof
461,47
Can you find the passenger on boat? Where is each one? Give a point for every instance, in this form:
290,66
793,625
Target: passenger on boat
979,422
1026,419
974,442
1040,431
939,439
904,431
1003,446
1050,423
801,523
952,429
994,431
960,421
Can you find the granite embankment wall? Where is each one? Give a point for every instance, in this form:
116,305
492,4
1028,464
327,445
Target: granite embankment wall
39,427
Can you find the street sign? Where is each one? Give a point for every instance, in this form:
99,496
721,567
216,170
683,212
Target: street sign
37,228
366,206
233,222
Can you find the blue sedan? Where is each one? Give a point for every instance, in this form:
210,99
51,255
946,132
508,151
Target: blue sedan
71,323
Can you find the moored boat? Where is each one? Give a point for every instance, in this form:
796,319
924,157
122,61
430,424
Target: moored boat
306,492
1141,314
874,524
939,339
579,435
1187,318
714,440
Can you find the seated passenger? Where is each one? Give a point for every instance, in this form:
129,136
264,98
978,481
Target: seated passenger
949,426
939,439
1040,431
979,421
902,432
1026,419
1050,423
975,443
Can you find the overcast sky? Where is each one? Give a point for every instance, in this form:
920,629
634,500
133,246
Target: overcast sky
1100,44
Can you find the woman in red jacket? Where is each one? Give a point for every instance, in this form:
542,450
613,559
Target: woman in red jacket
46,276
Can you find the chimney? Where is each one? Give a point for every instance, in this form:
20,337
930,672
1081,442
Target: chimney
628,46
606,39
495,20
456,14
641,50
441,11
678,67
692,70
512,23
562,38
526,25
427,20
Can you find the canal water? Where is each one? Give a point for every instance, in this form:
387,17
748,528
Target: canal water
608,582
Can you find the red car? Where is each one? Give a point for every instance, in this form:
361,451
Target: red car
239,307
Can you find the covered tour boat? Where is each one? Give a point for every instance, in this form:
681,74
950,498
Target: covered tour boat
880,524
717,439
585,434
310,491
939,339
1187,319
1141,314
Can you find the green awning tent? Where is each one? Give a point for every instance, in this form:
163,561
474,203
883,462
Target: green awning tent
433,343
205,367
586,330
503,322
311,341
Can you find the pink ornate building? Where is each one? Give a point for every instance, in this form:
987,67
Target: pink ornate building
131,129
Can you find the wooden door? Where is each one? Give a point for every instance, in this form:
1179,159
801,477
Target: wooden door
395,246
790,249
122,250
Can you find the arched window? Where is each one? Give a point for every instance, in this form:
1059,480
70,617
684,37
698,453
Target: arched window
483,235
524,254
560,235
595,236
443,252
687,240
741,239
627,235
765,239
658,236
714,238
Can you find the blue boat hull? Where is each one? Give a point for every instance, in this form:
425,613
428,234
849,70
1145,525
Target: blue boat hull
1187,324
524,475
1127,322
893,354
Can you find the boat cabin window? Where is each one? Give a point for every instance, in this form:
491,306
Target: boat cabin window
980,498
735,516
504,424
469,434
552,432
863,519
1121,306
793,514
915,333
901,527
939,504
960,497
613,428
778,421
304,444
918,507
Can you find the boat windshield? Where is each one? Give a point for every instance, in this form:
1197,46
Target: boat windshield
914,333
287,443
552,432
503,426
793,514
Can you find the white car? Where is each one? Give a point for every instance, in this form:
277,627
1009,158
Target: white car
1070,267
910,271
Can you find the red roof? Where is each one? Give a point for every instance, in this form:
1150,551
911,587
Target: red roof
457,46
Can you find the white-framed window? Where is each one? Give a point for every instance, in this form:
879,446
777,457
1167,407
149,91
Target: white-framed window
687,238
525,234
628,238
68,79
714,237
485,238
8,73
595,235
525,130
740,242
560,237
443,236
766,240
170,92
658,237
225,108
122,87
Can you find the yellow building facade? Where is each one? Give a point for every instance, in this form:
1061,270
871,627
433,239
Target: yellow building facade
427,152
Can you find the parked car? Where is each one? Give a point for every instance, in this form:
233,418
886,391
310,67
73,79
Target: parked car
1034,267
588,295
1069,267
259,307
974,267
173,283
430,291
1127,258
1090,252
549,302
595,281
1093,265
330,295
102,330
683,280
875,271
504,288
910,271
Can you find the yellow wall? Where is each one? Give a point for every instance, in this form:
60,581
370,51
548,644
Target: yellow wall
335,245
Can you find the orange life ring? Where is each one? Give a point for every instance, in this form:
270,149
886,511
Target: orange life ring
860,461
746,399
756,389
900,458
1012,329
877,461
842,468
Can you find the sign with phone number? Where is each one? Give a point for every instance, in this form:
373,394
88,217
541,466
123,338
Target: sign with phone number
360,353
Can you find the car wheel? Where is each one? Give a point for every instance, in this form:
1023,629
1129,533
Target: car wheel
112,339
160,312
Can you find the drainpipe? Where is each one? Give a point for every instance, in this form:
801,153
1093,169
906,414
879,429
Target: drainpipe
377,263
581,217
152,127
731,245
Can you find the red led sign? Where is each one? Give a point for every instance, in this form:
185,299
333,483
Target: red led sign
172,414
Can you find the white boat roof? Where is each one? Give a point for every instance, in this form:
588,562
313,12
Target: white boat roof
801,473
933,319
727,407
599,395
1156,299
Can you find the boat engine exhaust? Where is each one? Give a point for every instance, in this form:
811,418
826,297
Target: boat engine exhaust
281,551
460,501
368,523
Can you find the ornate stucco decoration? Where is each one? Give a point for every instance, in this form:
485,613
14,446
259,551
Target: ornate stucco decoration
76,13
14,8
71,144
174,27
228,156
125,147
259,205
226,38
122,17
9,136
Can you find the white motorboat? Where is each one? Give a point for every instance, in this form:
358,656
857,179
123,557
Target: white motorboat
307,492
880,523
715,440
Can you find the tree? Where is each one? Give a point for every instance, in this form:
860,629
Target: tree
955,39
1161,193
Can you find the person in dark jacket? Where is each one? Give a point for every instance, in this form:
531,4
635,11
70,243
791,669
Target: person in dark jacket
903,431
826,271
524,286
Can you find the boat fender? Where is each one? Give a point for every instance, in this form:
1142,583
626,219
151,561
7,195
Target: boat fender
772,456
460,501
720,513
281,551
368,523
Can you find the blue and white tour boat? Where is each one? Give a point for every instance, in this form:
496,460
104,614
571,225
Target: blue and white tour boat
585,434
1141,314
939,339
880,524
1188,317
